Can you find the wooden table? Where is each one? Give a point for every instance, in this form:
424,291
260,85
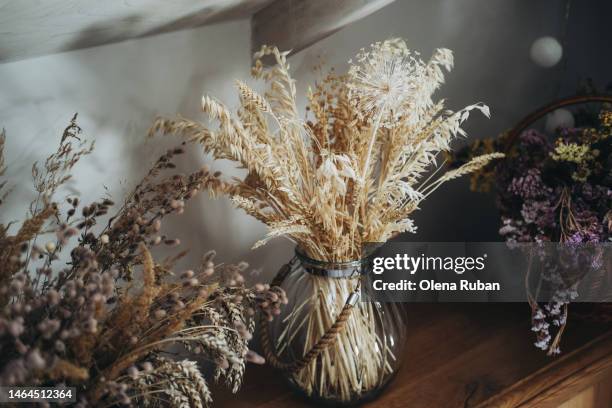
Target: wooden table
471,355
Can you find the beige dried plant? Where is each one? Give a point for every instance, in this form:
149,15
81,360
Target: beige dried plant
352,172
109,318
356,169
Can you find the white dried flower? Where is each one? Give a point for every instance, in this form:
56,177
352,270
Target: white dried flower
381,81
391,82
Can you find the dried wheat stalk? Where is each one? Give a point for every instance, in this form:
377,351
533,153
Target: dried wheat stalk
358,362
355,170
352,173
102,322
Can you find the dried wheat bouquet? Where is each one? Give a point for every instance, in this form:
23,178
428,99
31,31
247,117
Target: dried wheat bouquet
360,163
352,172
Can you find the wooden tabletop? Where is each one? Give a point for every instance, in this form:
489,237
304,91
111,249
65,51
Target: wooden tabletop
465,355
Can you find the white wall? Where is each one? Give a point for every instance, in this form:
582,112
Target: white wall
118,89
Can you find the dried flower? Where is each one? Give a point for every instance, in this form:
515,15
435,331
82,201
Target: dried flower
352,174
85,325
556,192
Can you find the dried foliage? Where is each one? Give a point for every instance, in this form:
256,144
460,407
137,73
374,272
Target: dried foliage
555,188
357,168
103,321
351,173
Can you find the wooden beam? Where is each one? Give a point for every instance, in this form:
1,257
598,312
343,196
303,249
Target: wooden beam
296,24
30,28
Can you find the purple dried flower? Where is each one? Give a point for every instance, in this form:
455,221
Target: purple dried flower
532,137
528,185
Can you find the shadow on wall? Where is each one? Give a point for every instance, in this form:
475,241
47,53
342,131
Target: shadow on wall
118,90
105,33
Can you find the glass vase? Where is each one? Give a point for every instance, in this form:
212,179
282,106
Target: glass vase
333,346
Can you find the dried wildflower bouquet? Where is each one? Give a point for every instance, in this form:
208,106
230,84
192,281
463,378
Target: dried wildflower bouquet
351,173
101,317
555,187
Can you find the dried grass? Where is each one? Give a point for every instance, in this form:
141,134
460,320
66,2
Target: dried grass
103,322
352,173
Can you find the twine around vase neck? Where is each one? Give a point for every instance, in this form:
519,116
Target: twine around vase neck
330,269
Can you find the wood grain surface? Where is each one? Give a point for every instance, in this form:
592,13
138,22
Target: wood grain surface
468,355
32,27
296,24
